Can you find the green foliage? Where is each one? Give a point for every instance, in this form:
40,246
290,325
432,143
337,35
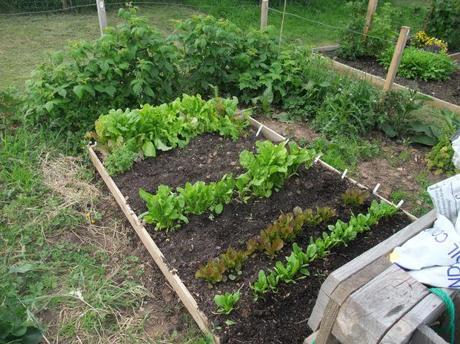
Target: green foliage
339,234
270,241
396,109
354,197
216,52
130,65
161,128
344,152
429,134
421,64
121,159
443,21
15,324
226,302
165,209
439,159
381,35
270,167
349,111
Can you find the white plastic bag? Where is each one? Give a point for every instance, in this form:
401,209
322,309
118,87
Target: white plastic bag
439,276
446,197
435,246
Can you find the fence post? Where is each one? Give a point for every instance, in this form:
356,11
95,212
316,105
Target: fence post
403,35
371,7
263,14
102,15
65,4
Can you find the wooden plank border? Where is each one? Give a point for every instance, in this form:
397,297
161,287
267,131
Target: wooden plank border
380,82
173,279
171,276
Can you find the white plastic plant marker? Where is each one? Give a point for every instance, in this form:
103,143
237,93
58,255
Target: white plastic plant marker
400,203
344,173
376,188
259,130
318,157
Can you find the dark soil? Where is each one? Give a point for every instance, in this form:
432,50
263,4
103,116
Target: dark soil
281,317
207,158
448,90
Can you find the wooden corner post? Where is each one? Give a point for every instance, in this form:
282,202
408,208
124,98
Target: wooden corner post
402,40
263,14
102,15
371,7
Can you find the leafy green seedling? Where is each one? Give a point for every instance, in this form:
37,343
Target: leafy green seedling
226,302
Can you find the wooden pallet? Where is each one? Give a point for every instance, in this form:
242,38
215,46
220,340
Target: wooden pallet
370,300
170,274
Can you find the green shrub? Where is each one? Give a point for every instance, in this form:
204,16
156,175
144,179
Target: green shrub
130,65
443,21
439,160
349,111
381,35
218,53
421,64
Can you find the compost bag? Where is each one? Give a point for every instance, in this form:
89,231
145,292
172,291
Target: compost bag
433,256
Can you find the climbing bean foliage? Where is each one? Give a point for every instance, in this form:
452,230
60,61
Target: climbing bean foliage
130,65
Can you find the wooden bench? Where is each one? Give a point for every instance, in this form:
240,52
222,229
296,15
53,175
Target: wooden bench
370,300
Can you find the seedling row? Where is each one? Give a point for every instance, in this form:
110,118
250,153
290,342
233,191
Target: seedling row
253,227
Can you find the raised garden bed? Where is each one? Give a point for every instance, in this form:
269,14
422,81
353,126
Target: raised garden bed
448,90
439,94
279,317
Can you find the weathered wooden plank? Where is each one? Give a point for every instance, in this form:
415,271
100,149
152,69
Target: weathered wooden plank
267,132
426,335
173,279
326,48
425,312
366,259
369,312
396,59
343,291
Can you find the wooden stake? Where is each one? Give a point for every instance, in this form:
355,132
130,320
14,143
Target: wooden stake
371,7
403,35
263,14
101,14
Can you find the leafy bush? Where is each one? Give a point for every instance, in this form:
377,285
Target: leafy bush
132,64
349,112
395,110
440,157
381,35
443,21
421,64
216,52
15,324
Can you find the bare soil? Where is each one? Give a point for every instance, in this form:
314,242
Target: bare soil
281,317
448,90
